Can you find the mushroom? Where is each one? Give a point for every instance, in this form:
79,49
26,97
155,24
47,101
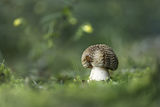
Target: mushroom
100,58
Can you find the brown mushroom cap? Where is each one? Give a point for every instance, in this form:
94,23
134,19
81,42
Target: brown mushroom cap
99,55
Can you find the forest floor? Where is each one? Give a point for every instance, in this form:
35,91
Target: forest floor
134,84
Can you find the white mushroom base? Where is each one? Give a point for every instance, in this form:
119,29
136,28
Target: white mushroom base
99,74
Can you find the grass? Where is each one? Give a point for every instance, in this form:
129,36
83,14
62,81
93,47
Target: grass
128,88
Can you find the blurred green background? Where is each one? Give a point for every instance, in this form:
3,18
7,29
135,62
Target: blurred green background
41,43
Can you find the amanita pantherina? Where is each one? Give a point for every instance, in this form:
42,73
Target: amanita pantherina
100,58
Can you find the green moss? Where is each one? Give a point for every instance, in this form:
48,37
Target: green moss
5,73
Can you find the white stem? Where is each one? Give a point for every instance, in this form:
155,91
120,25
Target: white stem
99,74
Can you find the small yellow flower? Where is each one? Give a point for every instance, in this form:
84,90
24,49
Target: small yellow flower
17,22
73,21
87,28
